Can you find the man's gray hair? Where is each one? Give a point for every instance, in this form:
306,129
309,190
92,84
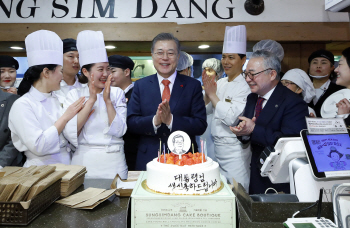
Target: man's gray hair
166,36
269,61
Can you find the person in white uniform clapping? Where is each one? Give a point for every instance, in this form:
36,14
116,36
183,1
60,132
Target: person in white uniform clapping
226,99
36,120
97,130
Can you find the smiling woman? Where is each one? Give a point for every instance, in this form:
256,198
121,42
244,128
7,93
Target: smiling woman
343,79
8,67
98,129
36,120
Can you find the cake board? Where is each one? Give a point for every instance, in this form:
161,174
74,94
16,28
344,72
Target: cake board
155,210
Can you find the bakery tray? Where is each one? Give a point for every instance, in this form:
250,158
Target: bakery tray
16,214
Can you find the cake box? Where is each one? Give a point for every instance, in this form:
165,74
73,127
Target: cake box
156,210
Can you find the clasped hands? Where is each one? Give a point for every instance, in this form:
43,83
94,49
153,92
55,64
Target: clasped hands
245,127
163,114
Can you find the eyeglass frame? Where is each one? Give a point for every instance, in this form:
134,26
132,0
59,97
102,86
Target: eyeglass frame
245,75
164,52
287,83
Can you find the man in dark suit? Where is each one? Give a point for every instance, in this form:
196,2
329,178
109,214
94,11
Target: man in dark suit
121,68
9,155
272,111
164,102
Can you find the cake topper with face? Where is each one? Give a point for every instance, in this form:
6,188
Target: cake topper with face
179,142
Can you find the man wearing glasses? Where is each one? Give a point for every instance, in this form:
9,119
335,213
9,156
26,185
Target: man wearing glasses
272,111
164,102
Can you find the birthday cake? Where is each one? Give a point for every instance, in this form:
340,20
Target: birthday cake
186,176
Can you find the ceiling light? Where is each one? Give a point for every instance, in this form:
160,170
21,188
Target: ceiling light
110,47
204,46
16,48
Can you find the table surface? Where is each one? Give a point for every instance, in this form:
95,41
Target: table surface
111,213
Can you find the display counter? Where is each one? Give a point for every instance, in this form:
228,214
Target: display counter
111,213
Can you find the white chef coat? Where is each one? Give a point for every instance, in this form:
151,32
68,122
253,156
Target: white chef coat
31,121
65,88
100,146
233,158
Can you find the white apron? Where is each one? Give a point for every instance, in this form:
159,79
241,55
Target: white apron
234,160
102,162
63,157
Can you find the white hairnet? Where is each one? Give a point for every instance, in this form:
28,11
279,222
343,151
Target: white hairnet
185,61
301,79
271,46
214,64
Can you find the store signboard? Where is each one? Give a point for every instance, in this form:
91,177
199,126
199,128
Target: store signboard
179,11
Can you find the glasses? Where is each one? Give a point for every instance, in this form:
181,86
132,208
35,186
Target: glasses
287,83
161,54
251,76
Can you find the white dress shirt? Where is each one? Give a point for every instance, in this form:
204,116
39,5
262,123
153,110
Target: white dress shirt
31,121
97,130
320,91
128,88
267,96
161,87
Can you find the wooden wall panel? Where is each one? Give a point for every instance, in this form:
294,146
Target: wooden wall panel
281,31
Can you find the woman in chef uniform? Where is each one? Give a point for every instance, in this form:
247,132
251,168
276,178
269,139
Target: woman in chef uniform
299,82
8,67
36,119
226,99
97,130
321,67
213,68
343,79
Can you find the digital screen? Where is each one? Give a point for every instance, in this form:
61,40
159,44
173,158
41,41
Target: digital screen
330,152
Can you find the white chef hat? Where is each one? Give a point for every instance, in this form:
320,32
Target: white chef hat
91,47
301,79
44,47
235,40
185,61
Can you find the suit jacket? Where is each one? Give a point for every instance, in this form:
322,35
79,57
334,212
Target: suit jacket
331,89
130,141
283,115
9,155
187,107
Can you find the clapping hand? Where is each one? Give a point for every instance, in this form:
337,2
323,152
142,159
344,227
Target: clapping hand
245,127
343,106
209,84
107,90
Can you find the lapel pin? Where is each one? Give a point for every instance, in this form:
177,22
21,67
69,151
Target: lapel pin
276,106
181,86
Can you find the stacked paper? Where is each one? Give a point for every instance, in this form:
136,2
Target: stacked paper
73,179
22,184
124,187
87,199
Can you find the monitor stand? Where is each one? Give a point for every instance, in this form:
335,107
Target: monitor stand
305,186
